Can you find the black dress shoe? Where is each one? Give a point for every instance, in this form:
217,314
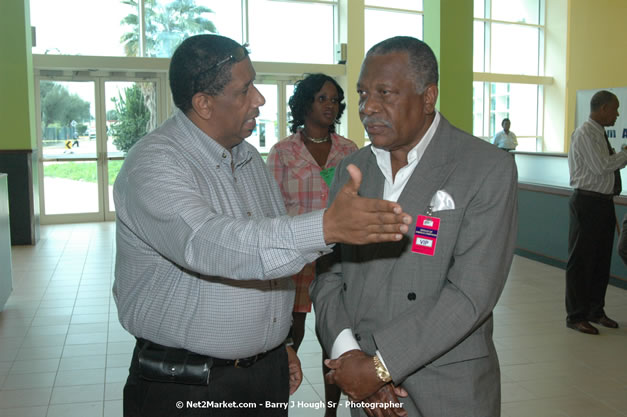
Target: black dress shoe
583,327
606,322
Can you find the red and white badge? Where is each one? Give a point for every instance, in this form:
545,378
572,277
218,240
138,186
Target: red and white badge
426,235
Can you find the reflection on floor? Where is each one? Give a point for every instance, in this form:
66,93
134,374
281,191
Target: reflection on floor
63,353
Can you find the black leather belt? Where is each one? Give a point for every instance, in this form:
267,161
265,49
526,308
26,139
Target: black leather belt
594,194
236,363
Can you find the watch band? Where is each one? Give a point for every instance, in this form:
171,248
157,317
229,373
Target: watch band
381,370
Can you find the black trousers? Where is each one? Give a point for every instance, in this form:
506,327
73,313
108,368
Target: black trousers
590,240
248,388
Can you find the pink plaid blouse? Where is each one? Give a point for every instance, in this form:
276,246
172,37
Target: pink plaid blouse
304,190
298,174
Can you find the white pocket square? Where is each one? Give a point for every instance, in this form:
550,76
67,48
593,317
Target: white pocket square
442,201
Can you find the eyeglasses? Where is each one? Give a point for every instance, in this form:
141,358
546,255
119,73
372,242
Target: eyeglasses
238,54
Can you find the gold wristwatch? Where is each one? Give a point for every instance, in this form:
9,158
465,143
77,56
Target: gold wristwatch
381,370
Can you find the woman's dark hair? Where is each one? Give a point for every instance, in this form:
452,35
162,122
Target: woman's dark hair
303,97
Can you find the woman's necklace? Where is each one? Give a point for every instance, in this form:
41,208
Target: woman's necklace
316,140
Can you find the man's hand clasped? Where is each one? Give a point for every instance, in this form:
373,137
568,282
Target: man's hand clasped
358,220
355,374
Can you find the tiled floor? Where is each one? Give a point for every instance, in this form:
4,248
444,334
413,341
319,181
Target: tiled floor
63,353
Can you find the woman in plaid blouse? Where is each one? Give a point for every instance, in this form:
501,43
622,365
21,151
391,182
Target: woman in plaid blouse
303,165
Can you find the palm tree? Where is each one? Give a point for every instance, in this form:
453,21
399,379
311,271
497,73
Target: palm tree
165,26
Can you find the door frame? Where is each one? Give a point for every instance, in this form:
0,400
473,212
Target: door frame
99,78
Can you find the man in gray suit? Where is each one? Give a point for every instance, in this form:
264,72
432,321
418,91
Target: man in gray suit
413,319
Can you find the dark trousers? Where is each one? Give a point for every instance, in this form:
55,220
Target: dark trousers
266,380
590,240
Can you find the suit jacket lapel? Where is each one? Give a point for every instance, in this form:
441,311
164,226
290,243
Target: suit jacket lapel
437,163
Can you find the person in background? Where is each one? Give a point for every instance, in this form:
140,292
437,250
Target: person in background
205,250
303,165
595,176
505,139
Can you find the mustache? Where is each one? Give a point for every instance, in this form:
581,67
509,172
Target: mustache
370,120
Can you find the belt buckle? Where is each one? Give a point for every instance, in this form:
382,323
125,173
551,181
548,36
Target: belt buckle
246,362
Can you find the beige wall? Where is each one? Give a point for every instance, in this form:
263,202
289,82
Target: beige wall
597,56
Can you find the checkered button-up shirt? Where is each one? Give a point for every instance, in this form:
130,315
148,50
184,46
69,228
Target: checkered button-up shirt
298,174
202,244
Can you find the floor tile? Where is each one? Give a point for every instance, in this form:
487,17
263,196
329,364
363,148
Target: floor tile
34,366
80,377
39,411
77,394
22,398
27,381
82,362
87,409
60,332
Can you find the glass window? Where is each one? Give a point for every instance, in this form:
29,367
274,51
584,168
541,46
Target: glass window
522,11
70,187
266,132
514,49
478,58
397,4
519,103
79,27
477,108
383,24
130,113
65,26
289,92
168,22
291,32
479,9
68,124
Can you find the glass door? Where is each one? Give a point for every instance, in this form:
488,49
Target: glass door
131,112
86,125
69,149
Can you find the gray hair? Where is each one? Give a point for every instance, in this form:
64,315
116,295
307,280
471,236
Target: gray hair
422,61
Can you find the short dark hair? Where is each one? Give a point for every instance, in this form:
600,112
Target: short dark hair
303,97
422,60
600,98
190,64
505,120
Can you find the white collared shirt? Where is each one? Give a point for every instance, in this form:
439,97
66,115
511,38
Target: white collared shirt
589,161
394,186
392,190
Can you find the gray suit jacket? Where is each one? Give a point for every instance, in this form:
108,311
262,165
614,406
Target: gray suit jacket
430,316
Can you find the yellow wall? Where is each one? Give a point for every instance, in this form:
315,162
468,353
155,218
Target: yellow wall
597,34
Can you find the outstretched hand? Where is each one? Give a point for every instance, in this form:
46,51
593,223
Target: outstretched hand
358,220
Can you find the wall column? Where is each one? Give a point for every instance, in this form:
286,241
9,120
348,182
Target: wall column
448,30
18,139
